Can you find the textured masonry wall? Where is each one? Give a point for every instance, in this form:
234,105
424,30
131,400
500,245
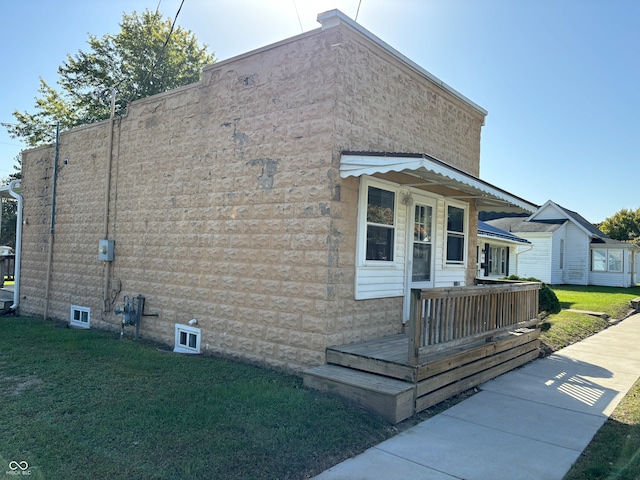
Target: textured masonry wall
226,203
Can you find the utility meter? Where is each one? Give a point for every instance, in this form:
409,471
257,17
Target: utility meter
105,250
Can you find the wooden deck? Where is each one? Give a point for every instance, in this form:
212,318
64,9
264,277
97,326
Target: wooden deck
377,375
458,337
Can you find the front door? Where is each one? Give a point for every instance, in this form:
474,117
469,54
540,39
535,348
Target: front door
421,248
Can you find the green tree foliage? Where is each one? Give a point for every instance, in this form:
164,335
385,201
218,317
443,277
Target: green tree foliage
9,210
148,56
623,225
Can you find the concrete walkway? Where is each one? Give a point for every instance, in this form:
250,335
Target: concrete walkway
530,423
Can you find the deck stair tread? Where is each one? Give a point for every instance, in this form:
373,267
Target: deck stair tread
390,398
369,381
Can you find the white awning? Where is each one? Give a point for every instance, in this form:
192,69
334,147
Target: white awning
435,173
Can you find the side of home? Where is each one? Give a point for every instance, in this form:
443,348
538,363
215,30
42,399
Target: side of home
286,202
498,252
567,249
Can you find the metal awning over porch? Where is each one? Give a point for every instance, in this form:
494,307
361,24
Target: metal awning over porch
435,173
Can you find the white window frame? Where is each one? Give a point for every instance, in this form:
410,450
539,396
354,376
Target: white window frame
363,202
497,260
80,316
607,260
189,333
465,208
621,252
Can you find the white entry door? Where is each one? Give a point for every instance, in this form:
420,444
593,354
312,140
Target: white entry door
420,241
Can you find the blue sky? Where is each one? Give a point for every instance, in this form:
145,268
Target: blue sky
559,78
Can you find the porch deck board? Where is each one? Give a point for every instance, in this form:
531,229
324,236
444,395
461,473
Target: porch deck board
390,349
377,373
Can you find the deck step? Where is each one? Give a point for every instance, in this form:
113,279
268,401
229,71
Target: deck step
390,398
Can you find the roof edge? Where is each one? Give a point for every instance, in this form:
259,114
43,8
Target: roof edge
335,17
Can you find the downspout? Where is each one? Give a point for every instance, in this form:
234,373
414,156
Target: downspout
518,252
107,195
16,274
52,228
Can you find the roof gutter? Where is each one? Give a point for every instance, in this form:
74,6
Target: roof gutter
16,287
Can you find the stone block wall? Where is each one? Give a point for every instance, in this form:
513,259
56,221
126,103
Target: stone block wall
226,204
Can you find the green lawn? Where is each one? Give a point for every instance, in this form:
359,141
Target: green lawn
614,452
567,327
85,404
612,301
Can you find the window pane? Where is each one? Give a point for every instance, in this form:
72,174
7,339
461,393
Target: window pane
422,228
379,243
183,338
455,219
192,340
599,260
455,248
615,260
380,204
421,262
494,260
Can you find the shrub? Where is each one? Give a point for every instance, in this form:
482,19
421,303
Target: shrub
547,298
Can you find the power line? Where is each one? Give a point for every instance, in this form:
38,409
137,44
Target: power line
358,11
298,15
166,42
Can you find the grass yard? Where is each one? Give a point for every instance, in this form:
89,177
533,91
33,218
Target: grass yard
614,452
85,404
612,301
568,327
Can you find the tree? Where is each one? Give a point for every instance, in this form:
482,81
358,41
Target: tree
149,56
623,225
9,210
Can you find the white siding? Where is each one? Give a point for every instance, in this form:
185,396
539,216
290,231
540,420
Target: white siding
576,257
447,275
557,239
389,279
614,279
549,213
512,267
376,280
534,260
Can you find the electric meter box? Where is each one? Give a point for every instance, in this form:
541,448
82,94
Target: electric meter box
105,250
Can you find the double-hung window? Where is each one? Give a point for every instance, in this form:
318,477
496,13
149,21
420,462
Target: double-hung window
381,228
456,235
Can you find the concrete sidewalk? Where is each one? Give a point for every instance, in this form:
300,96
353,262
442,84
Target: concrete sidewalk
530,423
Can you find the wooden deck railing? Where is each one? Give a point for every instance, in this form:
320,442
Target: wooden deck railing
448,317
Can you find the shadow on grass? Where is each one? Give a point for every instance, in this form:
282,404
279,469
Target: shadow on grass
614,453
85,404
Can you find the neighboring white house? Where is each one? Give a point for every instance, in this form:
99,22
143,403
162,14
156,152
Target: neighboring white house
567,249
498,251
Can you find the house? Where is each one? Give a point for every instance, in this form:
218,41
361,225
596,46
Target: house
292,200
498,251
567,249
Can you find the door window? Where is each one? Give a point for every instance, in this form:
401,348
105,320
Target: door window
422,244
